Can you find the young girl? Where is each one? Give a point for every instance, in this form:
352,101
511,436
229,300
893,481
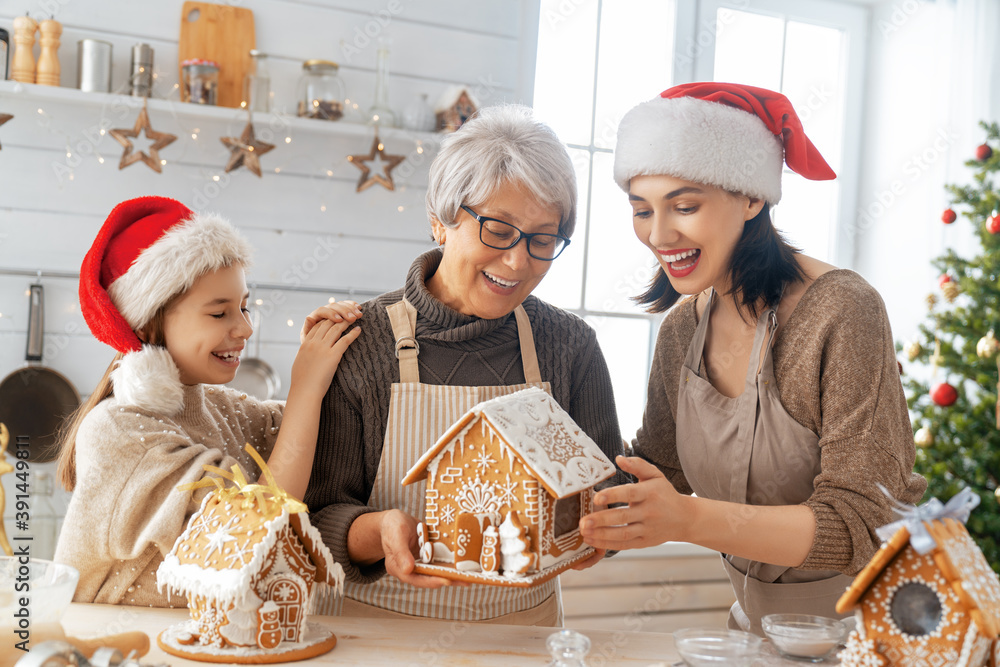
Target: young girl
165,287
774,394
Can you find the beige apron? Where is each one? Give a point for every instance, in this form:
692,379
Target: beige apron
418,415
749,450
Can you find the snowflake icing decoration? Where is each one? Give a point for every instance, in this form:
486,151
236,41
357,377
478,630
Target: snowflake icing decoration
484,461
508,493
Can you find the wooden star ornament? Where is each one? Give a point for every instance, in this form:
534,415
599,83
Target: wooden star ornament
160,140
4,117
385,162
246,150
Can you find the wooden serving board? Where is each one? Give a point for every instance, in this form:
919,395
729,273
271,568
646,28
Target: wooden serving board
221,33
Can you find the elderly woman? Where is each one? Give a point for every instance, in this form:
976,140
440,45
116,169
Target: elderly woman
502,207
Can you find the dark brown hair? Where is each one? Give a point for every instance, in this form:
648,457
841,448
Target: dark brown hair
762,264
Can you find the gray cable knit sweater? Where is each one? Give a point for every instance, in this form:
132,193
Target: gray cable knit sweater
455,349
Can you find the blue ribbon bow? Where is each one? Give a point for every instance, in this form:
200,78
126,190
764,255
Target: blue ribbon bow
912,517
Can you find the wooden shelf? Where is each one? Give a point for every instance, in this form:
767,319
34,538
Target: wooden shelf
17,93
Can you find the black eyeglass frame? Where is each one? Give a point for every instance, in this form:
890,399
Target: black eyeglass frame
482,219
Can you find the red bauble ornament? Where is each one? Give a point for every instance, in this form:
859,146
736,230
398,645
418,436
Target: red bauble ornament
984,152
944,395
948,216
993,224
944,279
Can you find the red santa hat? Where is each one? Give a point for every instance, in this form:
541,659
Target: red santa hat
148,251
729,135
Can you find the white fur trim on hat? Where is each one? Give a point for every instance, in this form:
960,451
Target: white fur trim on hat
170,266
700,141
149,379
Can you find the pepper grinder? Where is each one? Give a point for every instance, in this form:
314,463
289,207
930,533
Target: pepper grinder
48,62
22,65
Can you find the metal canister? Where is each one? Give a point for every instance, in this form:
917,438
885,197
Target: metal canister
141,77
4,54
93,66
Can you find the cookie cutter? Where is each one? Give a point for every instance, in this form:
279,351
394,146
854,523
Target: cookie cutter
57,653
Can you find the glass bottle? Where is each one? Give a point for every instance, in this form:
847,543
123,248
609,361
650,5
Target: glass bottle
381,114
568,648
419,115
257,85
321,90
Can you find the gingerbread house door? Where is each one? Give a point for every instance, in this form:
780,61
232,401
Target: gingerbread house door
288,592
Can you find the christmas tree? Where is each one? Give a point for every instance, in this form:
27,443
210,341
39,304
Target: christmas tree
957,413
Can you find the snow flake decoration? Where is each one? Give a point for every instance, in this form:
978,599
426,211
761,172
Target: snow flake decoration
477,497
508,493
216,540
484,461
448,513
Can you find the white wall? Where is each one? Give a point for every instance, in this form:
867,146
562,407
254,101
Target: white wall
55,193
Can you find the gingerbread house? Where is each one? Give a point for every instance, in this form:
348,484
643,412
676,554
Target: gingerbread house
913,609
455,106
506,487
249,568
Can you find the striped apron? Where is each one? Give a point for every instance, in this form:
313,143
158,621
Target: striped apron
418,415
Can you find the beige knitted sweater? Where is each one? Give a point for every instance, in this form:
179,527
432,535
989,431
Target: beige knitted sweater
126,512
836,371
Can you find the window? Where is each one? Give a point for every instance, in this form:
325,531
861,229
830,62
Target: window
916,609
567,515
596,60
616,62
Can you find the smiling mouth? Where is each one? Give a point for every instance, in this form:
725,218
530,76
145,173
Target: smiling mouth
679,256
231,356
500,282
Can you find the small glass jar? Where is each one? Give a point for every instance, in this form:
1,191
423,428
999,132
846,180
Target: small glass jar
257,84
321,91
199,81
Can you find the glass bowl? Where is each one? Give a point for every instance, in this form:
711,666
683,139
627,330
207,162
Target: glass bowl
804,637
48,586
713,647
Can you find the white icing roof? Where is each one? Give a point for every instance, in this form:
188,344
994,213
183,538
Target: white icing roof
565,460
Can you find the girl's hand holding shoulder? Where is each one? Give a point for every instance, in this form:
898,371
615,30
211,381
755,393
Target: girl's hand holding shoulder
324,343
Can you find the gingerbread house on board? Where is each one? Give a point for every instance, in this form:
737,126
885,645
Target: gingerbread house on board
455,106
506,487
913,609
249,568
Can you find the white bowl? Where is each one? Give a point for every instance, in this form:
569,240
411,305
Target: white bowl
714,647
48,586
804,637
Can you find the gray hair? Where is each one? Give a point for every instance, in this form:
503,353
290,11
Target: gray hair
502,145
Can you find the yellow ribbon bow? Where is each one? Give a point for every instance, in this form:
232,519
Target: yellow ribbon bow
250,493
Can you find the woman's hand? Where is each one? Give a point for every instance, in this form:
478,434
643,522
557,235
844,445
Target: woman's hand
399,544
335,311
594,559
654,513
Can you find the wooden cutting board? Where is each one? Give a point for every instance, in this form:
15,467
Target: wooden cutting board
221,33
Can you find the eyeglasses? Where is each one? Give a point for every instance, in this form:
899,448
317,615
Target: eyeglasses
504,236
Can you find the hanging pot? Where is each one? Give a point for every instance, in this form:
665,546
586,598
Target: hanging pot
255,377
35,400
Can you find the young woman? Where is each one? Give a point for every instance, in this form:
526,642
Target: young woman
165,287
774,395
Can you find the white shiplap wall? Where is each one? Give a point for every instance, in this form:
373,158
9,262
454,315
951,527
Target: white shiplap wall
308,225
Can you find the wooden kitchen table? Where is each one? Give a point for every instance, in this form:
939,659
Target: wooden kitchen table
395,643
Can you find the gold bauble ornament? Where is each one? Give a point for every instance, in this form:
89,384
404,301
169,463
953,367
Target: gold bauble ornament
950,291
923,437
931,301
912,350
988,346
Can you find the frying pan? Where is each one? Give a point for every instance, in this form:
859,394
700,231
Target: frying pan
255,376
35,400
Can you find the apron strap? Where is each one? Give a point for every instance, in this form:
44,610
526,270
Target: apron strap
403,317
697,347
528,355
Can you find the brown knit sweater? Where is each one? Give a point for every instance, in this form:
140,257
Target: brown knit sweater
835,367
455,349
126,511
